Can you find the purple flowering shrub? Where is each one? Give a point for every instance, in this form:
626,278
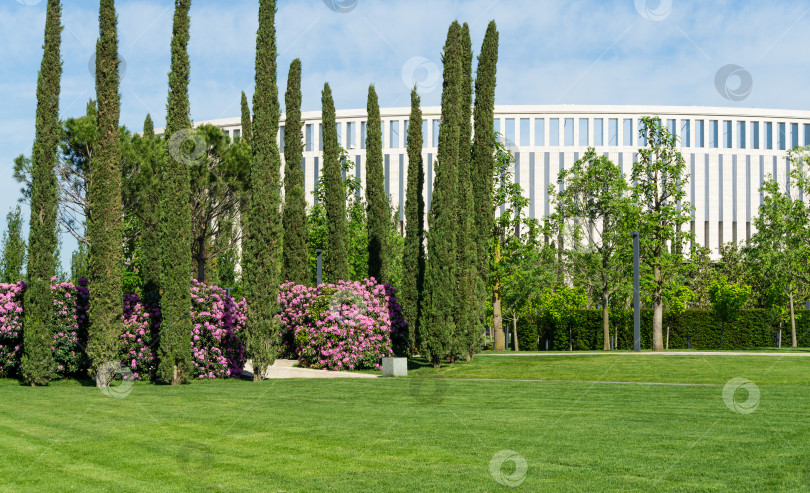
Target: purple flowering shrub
219,322
11,301
67,323
343,326
137,345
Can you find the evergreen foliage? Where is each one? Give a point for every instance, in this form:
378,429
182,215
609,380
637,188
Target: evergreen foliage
296,268
413,255
439,324
483,157
42,234
174,354
144,190
262,243
379,215
105,225
337,249
247,131
11,267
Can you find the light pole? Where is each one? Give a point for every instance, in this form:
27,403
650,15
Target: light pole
319,266
636,297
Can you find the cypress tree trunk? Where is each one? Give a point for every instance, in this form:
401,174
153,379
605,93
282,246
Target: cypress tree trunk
263,226
246,127
441,270
149,204
379,215
105,226
174,352
296,263
469,309
337,243
483,167
36,359
413,254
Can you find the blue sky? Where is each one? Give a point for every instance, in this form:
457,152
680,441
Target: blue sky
663,52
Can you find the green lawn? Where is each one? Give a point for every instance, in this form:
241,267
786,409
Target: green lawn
422,433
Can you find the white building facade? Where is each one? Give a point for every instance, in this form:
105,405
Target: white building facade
729,152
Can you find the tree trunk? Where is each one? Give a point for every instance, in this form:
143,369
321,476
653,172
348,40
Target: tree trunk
658,322
497,314
200,259
793,340
667,346
514,332
606,322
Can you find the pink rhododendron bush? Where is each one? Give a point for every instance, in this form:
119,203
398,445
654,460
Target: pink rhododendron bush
343,326
68,322
218,321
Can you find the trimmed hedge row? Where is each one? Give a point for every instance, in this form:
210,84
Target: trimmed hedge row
753,329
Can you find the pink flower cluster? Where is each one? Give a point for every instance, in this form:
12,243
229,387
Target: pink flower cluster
68,323
343,326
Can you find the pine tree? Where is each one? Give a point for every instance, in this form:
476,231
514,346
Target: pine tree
11,267
246,127
105,226
296,264
379,216
469,311
337,245
263,226
483,161
413,255
42,233
174,352
438,322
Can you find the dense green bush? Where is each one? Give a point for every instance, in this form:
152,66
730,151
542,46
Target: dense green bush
753,329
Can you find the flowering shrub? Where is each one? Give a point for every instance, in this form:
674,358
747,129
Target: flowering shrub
217,350
136,345
11,300
343,326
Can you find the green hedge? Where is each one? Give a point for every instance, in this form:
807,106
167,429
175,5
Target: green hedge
752,329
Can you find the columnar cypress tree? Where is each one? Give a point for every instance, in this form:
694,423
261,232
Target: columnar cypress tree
13,249
296,263
483,159
438,322
413,254
148,202
337,244
36,359
379,215
105,226
246,127
469,310
263,225
175,220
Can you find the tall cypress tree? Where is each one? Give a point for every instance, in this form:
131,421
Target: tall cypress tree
413,253
246,127
36,359
469,312
148,209
175,217
105,226
483,159
438,310
337,244
296,263
263,240
379,215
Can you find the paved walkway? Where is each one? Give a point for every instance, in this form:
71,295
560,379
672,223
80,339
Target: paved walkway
285,368
650,353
